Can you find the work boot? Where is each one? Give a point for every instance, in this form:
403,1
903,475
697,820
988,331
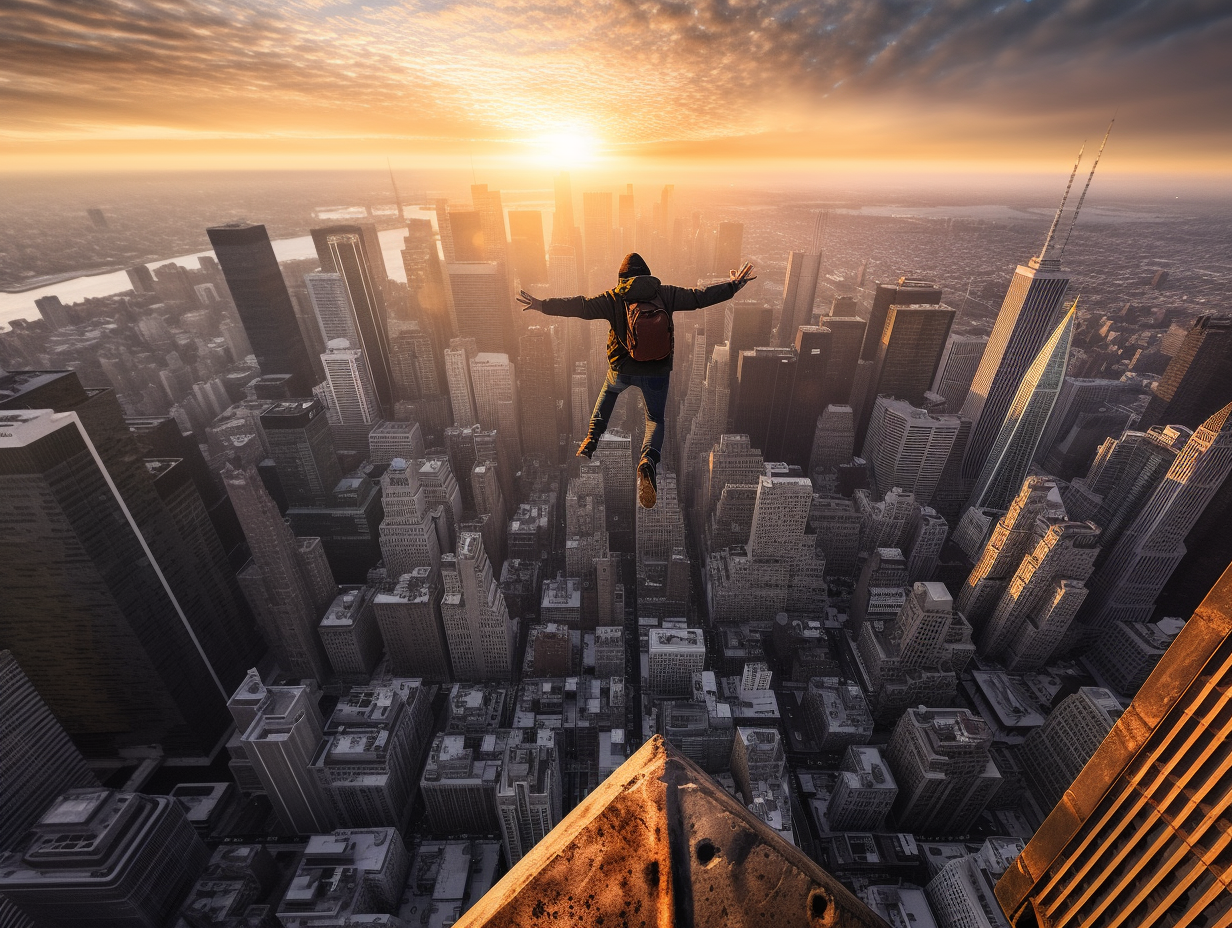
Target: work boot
587,448
646,494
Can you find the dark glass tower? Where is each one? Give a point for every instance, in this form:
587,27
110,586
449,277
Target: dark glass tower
1198,380
260,295
302,447
1028,315
904,293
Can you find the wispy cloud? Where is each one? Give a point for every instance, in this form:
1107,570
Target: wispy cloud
634,72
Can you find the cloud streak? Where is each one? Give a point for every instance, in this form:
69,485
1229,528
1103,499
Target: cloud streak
634,72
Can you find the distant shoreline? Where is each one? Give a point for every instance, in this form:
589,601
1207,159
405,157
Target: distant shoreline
49,280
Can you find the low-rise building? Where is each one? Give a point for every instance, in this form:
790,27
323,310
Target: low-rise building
864,791
349,872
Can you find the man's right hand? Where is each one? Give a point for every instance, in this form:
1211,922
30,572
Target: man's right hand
528,301
743,276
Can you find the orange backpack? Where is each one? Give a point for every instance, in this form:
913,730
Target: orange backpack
649,329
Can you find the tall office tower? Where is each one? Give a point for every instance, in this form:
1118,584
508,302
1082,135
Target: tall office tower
908,448
926,534
441,488
119,628
494,380
391,440
491,510
580,402
800,287
1128,582
350,635
661,530
728,247
746,325
956,369
1011,452
537,388
597,223
733,460
281,742
409,536
104,858
492,218
833,440
428,290
303,451
585,521
458,376
907,356
441,207
1195,384
284,582
961,893
54,313
563,277
1055,752
481,304
837,527
1043,596
884,569
459,780
921,630
846,337
528,795
351,392
260,295
477,626
38,761
1078,396
1150,790
615,456
464,452
1127,653
332,305
764,382
562,216
141,278
883,521
1024,323
757,758
812,349
528,252
707,426
945,774
905,292
674,655
1011,539
370,251
864,791
780,516
375,740
408,611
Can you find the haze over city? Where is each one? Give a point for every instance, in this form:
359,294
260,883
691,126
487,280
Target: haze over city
522,464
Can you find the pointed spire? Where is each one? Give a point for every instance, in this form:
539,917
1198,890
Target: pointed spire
1052,230
819,232
1081,199
394,183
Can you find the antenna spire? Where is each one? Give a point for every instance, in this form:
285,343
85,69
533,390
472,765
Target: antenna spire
397,199
1057,218
1090,177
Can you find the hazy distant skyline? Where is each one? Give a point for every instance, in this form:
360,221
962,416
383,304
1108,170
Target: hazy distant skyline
1013,84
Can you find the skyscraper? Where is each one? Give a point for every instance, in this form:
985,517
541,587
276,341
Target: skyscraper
528,795
601,263
908,448
1026,319
800,287
487,204
1195,384
477,625
906,357
1131,841
303,451
526,244
348,380
458,377
102,610
846,336
260,295
37,759
903,293
1077,396
481,304
536,382
1054,753
287,582
494,380
408,610
728,247
409,537
945,774
1126,585
957,367
1011,453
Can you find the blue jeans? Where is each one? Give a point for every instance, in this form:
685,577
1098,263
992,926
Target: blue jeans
654,394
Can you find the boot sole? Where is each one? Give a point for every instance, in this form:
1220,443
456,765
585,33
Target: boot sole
646,495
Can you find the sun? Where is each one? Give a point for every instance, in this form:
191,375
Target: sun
565,149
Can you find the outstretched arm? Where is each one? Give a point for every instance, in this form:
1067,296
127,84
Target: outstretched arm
580,307
686,298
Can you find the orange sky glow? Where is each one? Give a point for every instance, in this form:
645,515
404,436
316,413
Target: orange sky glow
1004,85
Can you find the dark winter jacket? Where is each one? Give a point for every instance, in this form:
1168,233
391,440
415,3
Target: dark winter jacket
611,306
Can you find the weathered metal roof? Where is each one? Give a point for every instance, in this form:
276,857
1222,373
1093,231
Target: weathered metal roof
660,843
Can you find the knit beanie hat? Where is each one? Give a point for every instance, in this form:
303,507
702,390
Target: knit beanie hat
633,266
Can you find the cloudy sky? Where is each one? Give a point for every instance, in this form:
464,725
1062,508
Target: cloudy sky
1017,83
